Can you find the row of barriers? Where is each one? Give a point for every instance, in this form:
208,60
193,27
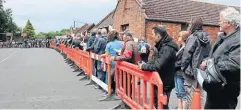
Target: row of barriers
133,86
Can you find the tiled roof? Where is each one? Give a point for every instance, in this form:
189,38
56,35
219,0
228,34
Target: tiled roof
108,20
82,29
182,10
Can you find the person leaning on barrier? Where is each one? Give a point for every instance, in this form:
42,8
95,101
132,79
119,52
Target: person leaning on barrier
110,49
226,62
90,48
99,49
129,51
163,61
91,39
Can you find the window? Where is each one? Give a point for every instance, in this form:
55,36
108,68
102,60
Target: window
184,26
124,27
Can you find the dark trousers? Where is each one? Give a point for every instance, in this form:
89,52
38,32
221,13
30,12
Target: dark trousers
166,91
221,101
112,80
94,67
100,73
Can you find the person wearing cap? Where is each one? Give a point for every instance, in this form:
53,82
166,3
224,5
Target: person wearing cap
163,62
129,51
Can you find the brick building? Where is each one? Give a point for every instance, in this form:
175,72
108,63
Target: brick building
139,16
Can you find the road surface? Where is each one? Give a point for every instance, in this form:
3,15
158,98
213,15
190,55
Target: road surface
40,79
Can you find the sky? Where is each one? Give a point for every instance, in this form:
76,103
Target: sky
54,15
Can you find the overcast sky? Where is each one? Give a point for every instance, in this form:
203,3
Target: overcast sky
53,15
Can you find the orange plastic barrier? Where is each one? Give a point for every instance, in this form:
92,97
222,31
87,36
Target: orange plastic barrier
85,62
127,75
52,45
107,62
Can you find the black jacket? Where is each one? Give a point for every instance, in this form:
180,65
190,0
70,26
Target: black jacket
197,48
163,61
226,53
178,63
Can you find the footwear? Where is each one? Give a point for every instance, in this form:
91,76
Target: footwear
76,70
104,94
81,73
97,87
115,97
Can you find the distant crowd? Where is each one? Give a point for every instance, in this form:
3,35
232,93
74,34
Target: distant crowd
26,43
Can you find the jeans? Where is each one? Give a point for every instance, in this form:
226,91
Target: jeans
179,87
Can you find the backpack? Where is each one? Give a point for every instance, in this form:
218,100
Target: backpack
143,48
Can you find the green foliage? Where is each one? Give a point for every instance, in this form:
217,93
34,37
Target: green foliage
7,23
28,30
51,34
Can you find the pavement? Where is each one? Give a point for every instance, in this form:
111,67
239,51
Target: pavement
40,79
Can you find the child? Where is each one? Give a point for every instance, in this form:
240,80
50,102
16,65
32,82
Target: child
179,80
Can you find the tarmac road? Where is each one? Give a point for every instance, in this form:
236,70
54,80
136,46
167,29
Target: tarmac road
40,79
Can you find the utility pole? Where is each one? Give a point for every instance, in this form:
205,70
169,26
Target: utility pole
74,24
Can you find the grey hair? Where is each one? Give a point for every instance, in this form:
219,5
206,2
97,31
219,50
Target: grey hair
103,32
231,15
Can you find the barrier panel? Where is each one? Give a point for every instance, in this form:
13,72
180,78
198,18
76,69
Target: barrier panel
107,65
128,77
52,45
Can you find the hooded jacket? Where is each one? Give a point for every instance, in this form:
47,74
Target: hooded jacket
163,61
197,48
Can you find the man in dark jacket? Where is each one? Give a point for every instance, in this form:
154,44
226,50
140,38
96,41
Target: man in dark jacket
226,54
92,38
90,44
198,46
163,61
100,49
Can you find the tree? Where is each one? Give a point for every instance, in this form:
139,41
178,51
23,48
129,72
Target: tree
28,30
11,26
51,34
6,21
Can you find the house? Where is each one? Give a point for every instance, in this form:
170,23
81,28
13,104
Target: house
139,16
90,27
106,22
81,30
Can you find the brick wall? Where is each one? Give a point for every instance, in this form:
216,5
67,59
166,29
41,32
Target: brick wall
172,29
213,31
132,15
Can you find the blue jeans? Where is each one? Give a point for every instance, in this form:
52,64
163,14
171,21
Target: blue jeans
179,87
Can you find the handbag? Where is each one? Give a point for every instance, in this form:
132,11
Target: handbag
211,79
